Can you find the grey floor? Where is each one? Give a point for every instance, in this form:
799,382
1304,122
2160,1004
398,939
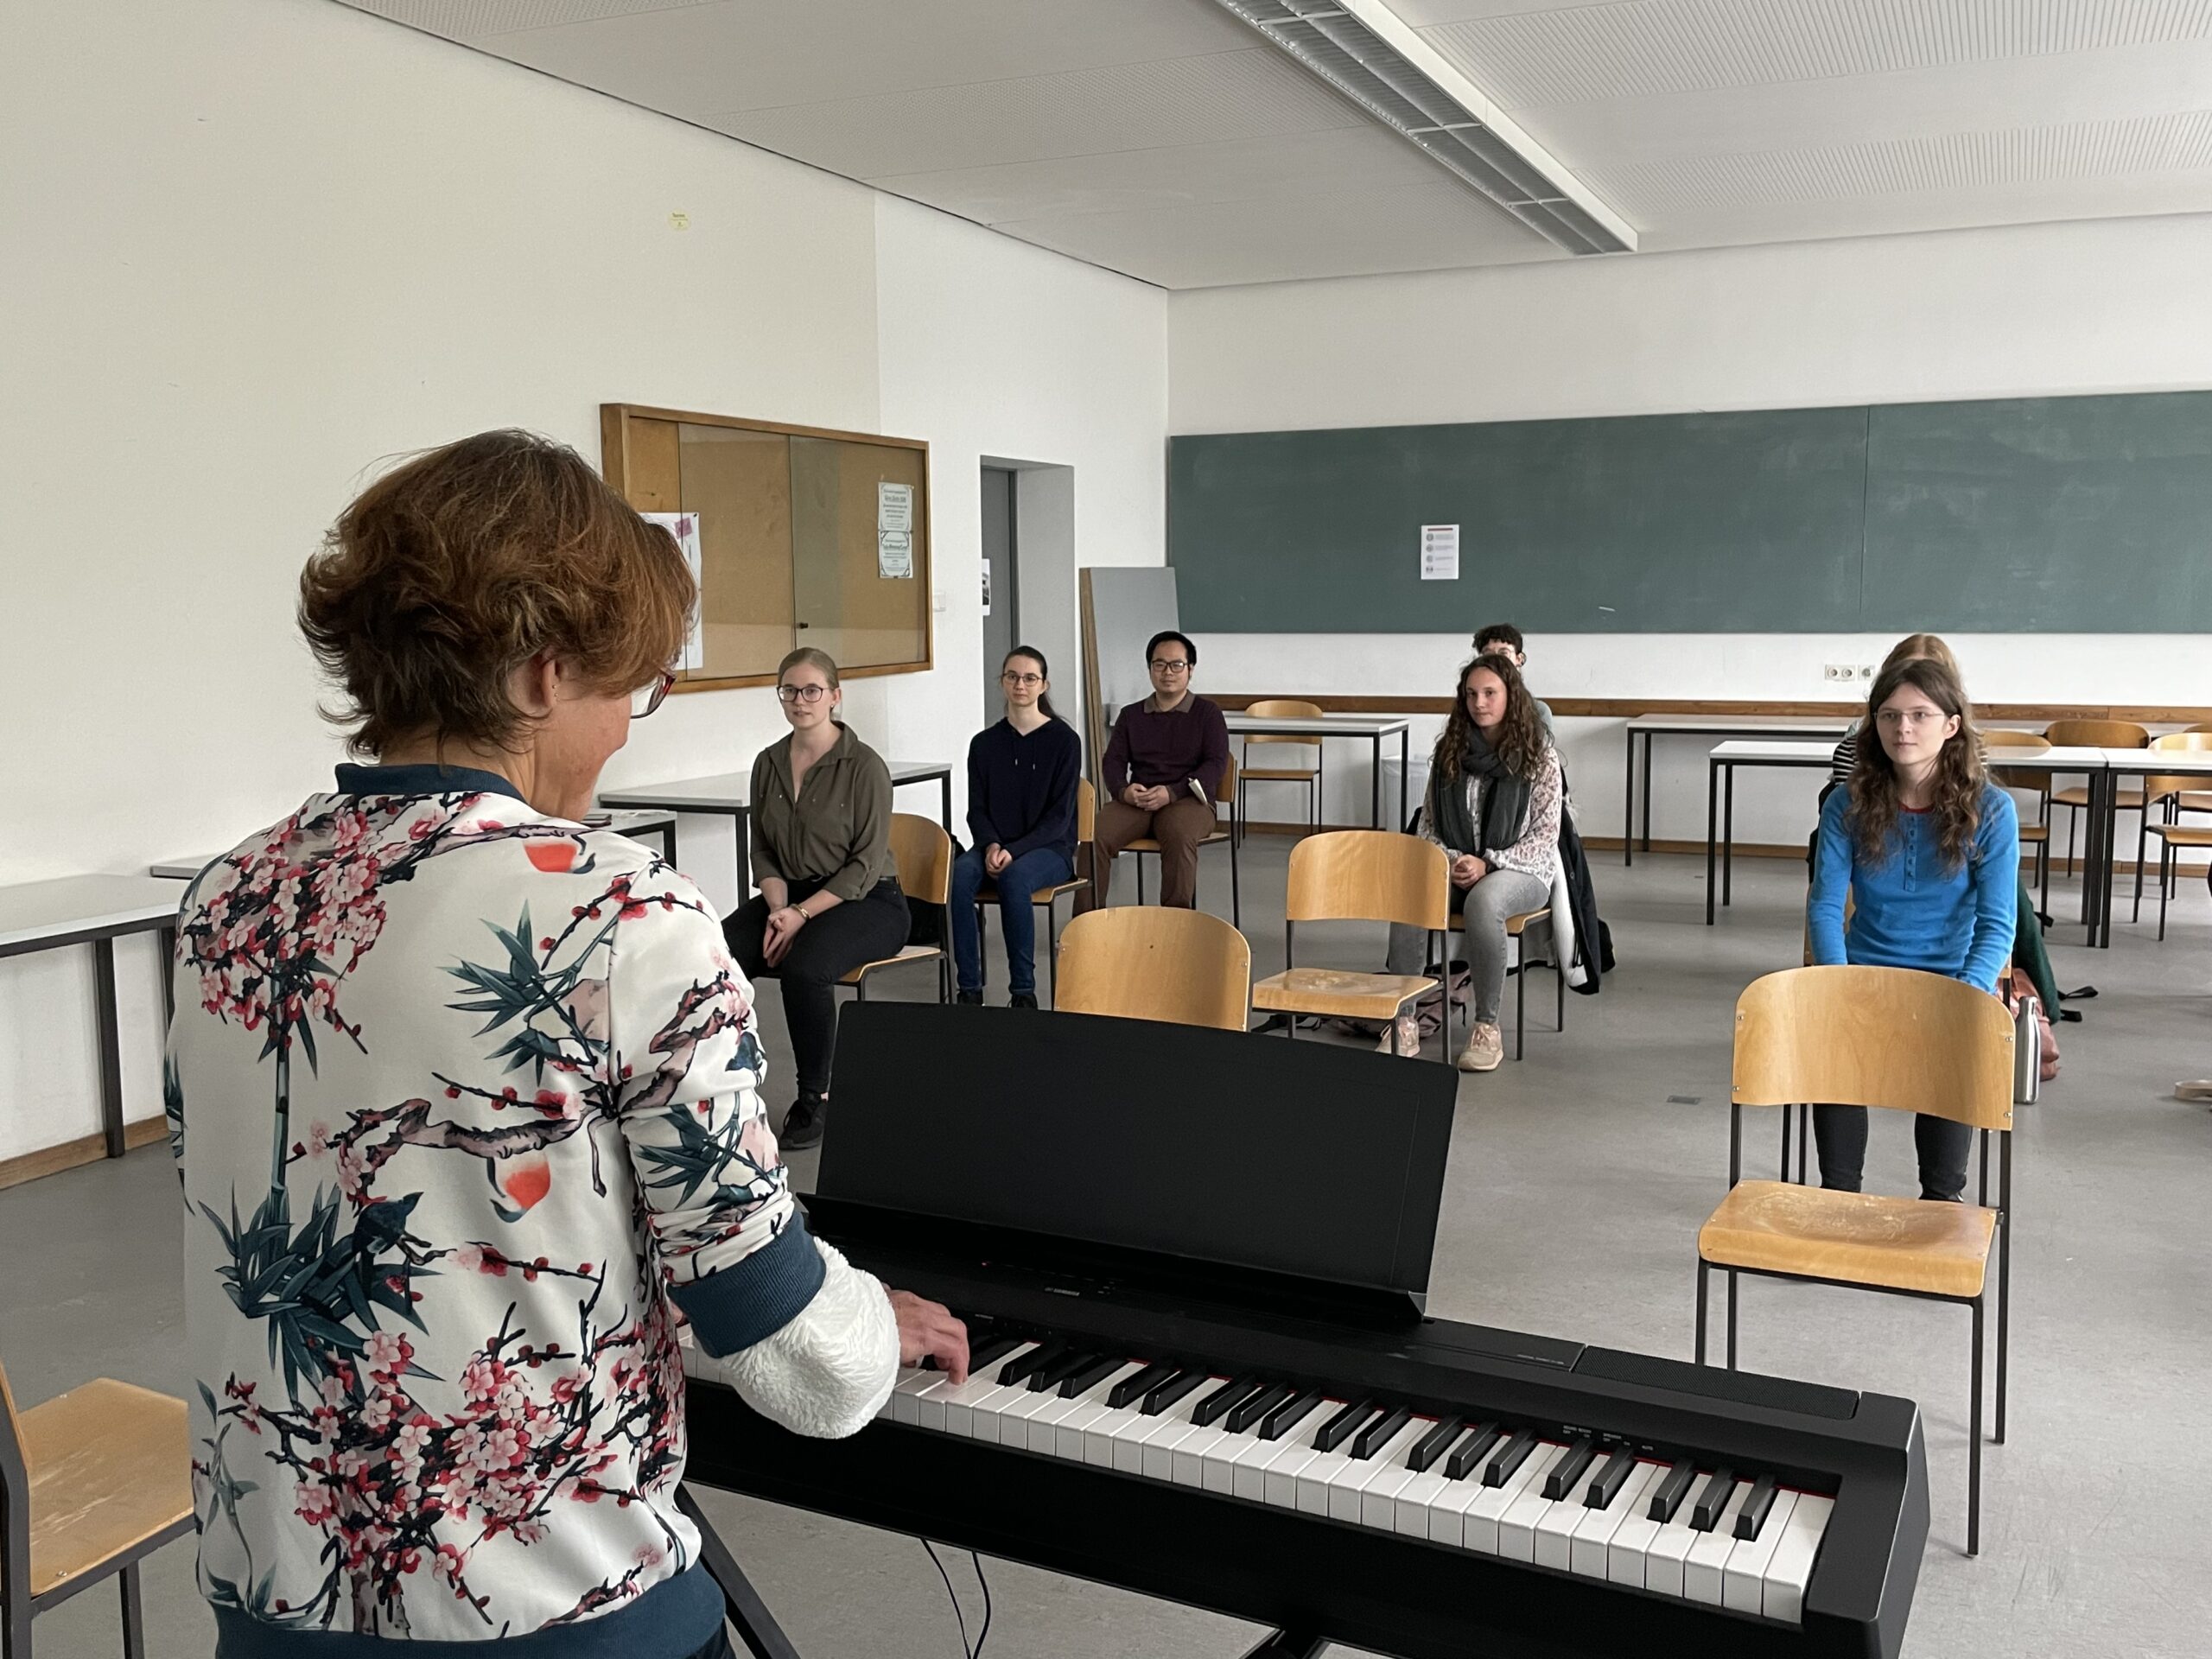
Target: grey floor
1576,1186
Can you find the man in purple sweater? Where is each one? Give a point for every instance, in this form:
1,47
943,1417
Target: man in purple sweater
1163,767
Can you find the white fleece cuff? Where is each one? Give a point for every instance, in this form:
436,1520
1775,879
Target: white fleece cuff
828,1372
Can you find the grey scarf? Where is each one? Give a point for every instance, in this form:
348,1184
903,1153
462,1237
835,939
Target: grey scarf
1505,801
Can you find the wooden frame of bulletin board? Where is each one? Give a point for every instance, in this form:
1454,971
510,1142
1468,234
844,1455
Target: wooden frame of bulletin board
798,536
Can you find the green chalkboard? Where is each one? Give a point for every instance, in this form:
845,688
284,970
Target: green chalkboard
2027,515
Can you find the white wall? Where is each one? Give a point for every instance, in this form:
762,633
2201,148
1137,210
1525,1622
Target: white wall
256,246
2116,305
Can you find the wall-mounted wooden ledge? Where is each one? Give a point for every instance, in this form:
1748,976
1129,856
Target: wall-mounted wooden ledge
1627,708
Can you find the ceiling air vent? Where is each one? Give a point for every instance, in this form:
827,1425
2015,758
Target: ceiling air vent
1373,57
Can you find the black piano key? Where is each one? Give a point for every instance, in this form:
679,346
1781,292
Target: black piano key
1752,1515
1468,1455
1706,1514
981,1359
1018,1370
1559,1479
1511,1456
1280,1421
1216,1404
1132,1388
1051,1376
1667,1497
1605,1485
1334,1431
1379,1434
1181,1385
1254,1407
1091,1375
1433,1444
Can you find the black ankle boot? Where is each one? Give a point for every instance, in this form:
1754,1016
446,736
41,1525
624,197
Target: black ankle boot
802,1123
969,999
1020,1000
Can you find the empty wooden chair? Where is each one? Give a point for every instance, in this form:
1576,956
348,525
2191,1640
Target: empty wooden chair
923,854
1375,875
1225,796
1141,962
2173,793
89,1482
1995,741
1282,708
1046,899
1885,1037
2094,734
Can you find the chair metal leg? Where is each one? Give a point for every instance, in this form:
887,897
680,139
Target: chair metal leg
1560,970
1804,1138
2165,882
1974,1445
1731,1318
1702,1272
1983,1198
1051,955
1235,892
2071,817
1520,995
134,1614
2142,850
1788,1116
1140,858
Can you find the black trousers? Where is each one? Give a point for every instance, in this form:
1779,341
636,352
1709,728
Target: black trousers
827,949
720,1647
1840,1133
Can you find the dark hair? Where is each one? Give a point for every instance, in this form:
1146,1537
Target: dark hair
1166,635
1485,637
462,563
1044,701
1959,774
1519,739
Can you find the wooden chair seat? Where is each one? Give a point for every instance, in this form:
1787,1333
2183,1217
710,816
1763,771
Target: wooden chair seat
1339,993
1858,1238
911,953
2183,835
988,892
110,1474
2195,800
2030,833
1282,774
2129,800
1516,925
1149,844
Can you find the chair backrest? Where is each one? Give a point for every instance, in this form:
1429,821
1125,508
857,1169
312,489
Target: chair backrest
1374,876
1224,793
1888,1037
14,1495
2097,734
2207,727
1999,737
923,852
1282,708
2158,788
1086,812
1147,961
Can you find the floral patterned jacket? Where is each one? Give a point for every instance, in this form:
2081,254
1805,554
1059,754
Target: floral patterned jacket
465,1101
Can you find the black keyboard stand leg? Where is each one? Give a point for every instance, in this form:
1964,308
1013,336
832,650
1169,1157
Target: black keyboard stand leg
1288,1644
757,1633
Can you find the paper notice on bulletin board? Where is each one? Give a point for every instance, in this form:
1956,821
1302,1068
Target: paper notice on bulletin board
894,531
684,526
1439,552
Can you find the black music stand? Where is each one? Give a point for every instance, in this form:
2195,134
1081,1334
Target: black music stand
757,1629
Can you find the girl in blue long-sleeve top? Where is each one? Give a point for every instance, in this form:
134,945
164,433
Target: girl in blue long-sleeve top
1928,850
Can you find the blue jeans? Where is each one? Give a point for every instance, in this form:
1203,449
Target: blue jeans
1045,867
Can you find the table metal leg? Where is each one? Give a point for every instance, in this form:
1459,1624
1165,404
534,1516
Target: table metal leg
168,936
1647,791
110,1046
1727,833
1628,802
1374,782
1712,832
668,844
2108,838
944,786
744,827
1405,773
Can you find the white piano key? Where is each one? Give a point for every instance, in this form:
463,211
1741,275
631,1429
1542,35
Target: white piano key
1743,1581
1667,1556
1516,1527
960,1404
1409,1509
1068,1434
1627,1549
1447,1512
1247,1479
1190,1450
1346,1486
1289,1467
1219,1474
1159,1449
1044,1421
1491,1503
1708,1556
906,1374
1586,1549
1011,1416
1129,1439
1791,1570
1378,1499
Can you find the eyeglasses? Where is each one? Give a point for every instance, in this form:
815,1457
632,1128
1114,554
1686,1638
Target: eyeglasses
788,694
1166,665
650,696
1894,718
1024,680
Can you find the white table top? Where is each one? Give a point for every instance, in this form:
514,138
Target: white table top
732,792
2053,759
1317,725
1773,754
79,904
2178,762
626,823
1691,724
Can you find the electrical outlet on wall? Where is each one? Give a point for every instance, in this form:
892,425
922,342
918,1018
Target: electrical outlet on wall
1863,673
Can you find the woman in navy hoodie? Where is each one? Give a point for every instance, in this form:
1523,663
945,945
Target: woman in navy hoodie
1022,774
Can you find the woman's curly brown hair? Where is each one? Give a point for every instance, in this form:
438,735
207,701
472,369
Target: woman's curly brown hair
1518,739
1959,772
461,564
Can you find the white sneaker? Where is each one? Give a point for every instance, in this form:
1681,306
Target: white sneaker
1484,1049
1401,1036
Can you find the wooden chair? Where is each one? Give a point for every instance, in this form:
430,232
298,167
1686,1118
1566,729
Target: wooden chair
2036,834
1282,708
1180,967
1224,796
1516,930
1044,899
1884,1037
1375,875
2094,734
923,852
2174,793
89,1482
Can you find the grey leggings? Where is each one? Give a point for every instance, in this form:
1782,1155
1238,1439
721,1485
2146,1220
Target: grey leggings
1499,894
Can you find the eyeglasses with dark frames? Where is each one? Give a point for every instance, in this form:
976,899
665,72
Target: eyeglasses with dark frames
650,696
788,694
1171,665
